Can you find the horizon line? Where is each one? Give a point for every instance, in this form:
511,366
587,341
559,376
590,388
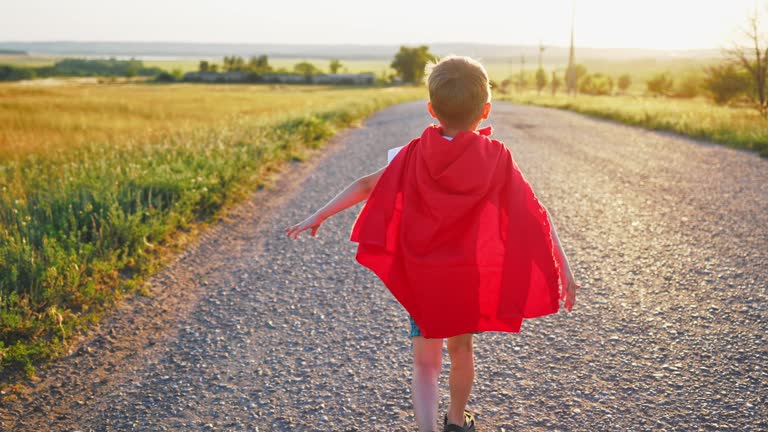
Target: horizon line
350,44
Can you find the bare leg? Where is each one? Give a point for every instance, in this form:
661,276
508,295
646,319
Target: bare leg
427,361
462,376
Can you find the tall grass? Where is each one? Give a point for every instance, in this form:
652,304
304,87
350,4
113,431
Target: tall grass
737,127
96,180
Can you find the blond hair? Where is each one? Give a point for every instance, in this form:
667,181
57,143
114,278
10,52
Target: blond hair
458,90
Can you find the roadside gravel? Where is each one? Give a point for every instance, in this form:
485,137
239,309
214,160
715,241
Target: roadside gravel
247,330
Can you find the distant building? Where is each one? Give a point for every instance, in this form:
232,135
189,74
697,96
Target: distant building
228,77
345,79
281,78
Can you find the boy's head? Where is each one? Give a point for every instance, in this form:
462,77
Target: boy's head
459,92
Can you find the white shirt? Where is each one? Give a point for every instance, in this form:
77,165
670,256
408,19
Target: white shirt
391,153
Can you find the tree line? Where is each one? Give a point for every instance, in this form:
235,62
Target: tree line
723,83
741,77
75,67
259,65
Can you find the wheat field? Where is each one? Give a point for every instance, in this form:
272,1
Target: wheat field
97,180
739,127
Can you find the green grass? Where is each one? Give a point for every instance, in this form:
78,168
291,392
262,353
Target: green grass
738,127
183,65
27,60
98,183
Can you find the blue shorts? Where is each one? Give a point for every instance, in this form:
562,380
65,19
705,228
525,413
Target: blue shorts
415,329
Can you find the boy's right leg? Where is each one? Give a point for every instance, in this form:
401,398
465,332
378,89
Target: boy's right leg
427,361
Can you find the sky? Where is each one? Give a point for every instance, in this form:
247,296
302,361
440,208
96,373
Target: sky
658,24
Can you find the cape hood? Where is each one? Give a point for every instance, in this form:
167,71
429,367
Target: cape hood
457,235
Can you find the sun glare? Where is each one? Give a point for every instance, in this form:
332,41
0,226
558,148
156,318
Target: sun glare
678,24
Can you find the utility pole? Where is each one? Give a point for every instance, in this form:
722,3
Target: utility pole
570,73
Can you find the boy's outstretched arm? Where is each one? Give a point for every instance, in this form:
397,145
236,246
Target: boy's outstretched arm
568,280
358,191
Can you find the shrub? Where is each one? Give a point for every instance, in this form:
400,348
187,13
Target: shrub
725,82
555,83
660,85
541,79
625,81
306,69
505,84
165,77
596,84
12,73
689,87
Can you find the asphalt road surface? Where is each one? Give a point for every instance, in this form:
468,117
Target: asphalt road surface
248,330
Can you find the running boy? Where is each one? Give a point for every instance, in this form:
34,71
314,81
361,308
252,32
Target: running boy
456,234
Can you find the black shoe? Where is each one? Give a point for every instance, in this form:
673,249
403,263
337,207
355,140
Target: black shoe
469,424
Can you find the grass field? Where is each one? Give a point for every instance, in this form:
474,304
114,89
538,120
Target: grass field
27,60
698,118
99,182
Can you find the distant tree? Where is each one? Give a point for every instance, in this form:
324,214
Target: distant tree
505,84
335,66
98,67
625,81
15,73
165,77
259,65
409,63
234,64
754,60
689,86
725,82
660,85
213,67
239,64
573,76
555,83
581,71
383,77
541,79
497,87
204,66
306,69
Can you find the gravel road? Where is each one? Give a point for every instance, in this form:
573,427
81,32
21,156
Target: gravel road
247,330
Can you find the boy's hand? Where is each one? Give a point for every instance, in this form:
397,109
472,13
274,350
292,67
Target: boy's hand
313,222
570,292
567,280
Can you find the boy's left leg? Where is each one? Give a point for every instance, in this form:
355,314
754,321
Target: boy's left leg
462,376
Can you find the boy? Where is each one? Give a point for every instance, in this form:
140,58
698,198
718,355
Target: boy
455,232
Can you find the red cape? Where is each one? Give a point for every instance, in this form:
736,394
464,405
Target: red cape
457,235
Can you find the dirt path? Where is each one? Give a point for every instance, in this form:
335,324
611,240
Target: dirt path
249,331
